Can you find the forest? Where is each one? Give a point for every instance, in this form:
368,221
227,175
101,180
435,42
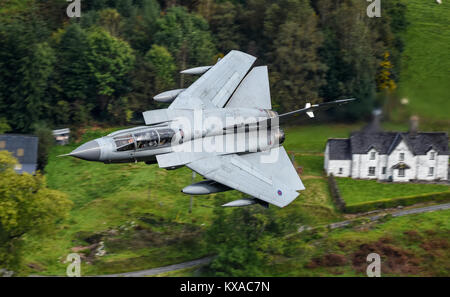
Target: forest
105,66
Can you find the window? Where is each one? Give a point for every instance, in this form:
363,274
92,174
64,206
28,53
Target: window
383,170
18,167
124,142
146,139
127,147
401,172
372,155
432,155
340,170
166,135
431,171
402,157
371,171
2,144
20,152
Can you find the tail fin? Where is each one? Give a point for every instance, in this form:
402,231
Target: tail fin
254,90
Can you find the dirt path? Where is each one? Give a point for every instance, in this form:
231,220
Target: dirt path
397,214
206,260
159,270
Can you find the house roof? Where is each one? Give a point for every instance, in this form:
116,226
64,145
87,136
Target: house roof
29,168
424,141
339,149
61,131
362,142
401,165
23,147
385,142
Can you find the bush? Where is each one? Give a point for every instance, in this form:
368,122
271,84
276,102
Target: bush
335,193
46,141
403,201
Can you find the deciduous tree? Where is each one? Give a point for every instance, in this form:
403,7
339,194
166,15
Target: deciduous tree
26,205
296,70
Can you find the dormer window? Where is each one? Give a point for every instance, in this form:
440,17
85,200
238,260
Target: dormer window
402,157
372,155
432,155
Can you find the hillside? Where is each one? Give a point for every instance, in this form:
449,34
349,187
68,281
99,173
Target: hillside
425,73
142,217
138,216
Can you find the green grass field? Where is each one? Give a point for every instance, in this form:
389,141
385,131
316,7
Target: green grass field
312,138
312,165
411,245
108,198
357,191
140,214
425,73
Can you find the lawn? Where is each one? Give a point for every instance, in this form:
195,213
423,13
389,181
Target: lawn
426,59
312,165
357,191
410,245
141,215
110,197
414,245
312,138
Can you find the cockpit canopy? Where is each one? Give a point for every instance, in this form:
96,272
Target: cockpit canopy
144,139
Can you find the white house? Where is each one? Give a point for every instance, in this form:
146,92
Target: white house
62,136
24,148
396,156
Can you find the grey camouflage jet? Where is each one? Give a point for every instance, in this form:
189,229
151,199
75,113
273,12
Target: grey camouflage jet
221,127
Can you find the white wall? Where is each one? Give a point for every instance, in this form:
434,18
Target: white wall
440,164
410,160
326,157
442,170
423,165
382,162
356,165
334,165
364,162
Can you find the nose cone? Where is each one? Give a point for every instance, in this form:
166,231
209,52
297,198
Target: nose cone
89,151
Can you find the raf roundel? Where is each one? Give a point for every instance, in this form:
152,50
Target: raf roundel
279,193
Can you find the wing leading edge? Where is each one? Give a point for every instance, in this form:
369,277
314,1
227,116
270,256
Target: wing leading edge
214,88
275,182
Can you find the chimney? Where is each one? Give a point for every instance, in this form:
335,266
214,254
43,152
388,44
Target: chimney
376,114
374,125
413,125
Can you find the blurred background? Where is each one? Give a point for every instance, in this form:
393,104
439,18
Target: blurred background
97,73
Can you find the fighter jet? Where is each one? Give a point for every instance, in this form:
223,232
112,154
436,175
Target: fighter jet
222,127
